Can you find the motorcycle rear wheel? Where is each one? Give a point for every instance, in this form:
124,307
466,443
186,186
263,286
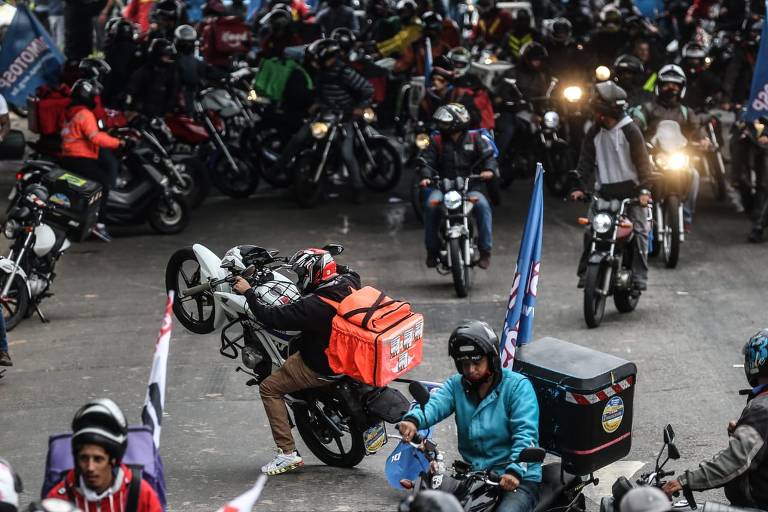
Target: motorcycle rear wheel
198,181
319,440
384,173
459,268
16,303
671,249
183,267
169,216
308,192
238,184
594,301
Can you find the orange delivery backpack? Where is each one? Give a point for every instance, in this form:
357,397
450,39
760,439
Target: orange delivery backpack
374,339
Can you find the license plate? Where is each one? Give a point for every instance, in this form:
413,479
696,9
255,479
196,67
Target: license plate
374,438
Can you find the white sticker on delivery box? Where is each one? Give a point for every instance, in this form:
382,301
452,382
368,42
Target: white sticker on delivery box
394,346
613,414
408,338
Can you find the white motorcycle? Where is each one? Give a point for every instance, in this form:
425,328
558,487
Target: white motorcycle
340,423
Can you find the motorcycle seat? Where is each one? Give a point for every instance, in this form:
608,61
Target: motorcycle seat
552,485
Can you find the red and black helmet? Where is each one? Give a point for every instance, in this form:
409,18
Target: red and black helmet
313,267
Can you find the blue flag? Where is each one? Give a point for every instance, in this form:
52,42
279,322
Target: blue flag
29,58
427,61
758,98
518,324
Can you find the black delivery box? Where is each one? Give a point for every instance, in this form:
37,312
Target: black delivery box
75,203
585,401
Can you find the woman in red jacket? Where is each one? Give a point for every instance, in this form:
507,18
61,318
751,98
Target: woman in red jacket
85,149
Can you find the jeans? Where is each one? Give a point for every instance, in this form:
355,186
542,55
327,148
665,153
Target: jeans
3,335
432,217
689,207
523,499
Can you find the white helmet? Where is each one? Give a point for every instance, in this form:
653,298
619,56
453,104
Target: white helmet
10,487
672,73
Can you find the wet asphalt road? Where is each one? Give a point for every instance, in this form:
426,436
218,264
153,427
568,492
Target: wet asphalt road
684,337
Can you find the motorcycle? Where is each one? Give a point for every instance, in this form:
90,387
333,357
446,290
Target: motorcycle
340,423
609,266
322,163
28,270
479,491
672,165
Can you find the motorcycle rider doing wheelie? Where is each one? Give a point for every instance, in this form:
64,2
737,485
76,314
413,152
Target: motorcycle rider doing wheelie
614,146
318,279
742,467
496,413
456,151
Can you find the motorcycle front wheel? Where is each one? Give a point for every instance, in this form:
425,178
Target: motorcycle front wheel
16,303
169,215
383,173
196,182
269,149
459,268
594,300
196,312
345,450
239,182
309,192
671,252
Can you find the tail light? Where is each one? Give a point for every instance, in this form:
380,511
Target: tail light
583,221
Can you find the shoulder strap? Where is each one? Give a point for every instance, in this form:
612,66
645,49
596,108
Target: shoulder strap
132,503
370,310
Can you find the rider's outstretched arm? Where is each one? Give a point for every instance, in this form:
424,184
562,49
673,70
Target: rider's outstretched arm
441,405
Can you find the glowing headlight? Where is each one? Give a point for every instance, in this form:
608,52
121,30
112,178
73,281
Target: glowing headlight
10,228
252,96
319,130
369,115
452,200
602,73
551,120
573,93
490,60
422,141
602,223
677,161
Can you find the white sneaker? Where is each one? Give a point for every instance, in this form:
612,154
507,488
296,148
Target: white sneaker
282,463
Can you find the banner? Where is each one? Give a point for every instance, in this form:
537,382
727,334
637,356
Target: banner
518,324
29,58
154,403
758,97
246,501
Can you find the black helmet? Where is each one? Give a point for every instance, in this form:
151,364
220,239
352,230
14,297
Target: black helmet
627,63
84,92
645,499
160,49
94,68
609,99
166,10
52,505
432,21
671,73
522,20
756,357
474,338
485,6
100,422
10,487
38,191
431,500
323,49
533,51
345,37
184,38
120,29
561,30
451,118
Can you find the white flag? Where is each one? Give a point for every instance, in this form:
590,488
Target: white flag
246,501
152,412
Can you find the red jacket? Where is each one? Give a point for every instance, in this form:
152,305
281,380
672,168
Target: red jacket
114,499
137,11
81,137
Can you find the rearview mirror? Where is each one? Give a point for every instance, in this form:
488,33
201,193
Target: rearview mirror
248,272
672,451
532,455
419,392
334,249
669,435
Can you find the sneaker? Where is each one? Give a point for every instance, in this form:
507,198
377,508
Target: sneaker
640,286
755,236
5,358
282,463
485,260
431,260
100,232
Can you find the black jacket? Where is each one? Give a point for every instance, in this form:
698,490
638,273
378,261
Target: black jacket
153,90
448,159
343,88
310,315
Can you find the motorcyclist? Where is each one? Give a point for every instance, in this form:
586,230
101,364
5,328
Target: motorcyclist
10,487
607,40
192,72
336,15
456,151
165,16
742,467
411,61
154,87
123,55
496,414
409,30
703,84
319,280
100,481
668,105
443,91
471,85
521,34
566,56
630,75
738,75
492,26
85,149
614,147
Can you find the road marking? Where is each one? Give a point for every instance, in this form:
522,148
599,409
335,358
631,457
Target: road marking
608,475
17,342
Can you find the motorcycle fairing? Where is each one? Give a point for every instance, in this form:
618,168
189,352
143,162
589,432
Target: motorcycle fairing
6,266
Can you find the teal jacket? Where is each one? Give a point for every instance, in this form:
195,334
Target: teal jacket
494,431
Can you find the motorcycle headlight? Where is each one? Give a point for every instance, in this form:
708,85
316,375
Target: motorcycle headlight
602,223
573,94
369,115
252,96
551,120
677,161
10,228
452,200
490,59
422,141
319,129
602,73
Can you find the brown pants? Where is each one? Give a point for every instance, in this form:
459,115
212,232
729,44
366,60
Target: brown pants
293,376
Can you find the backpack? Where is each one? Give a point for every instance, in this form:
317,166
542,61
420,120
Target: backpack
273,75
141,456
374,339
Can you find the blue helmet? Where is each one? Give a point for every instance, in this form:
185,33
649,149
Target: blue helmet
756,357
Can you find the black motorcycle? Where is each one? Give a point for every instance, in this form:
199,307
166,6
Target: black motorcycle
609,267
322,164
